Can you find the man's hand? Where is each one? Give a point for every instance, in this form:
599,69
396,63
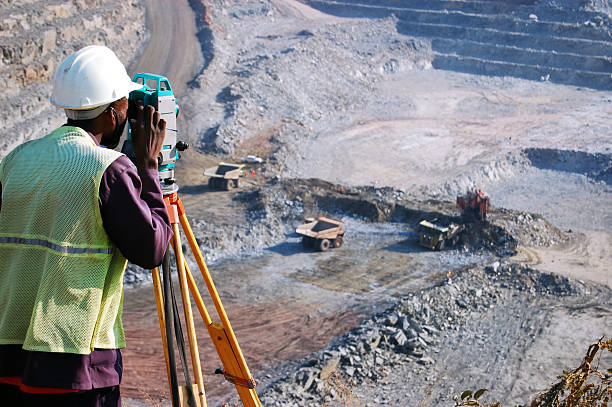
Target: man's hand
148,132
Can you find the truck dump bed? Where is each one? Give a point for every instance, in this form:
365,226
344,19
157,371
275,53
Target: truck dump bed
321,233
224,170
321,228
436,237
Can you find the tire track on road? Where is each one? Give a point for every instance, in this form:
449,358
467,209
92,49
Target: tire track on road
173,49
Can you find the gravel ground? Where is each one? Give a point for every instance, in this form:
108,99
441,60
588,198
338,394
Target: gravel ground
354,123
485,329
443,132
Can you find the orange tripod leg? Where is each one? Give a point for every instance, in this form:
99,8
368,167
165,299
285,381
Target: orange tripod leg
186,301
222,335
191,334
162,320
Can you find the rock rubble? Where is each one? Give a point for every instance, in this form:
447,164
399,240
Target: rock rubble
411,332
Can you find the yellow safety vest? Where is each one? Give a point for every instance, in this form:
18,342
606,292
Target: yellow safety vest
61,277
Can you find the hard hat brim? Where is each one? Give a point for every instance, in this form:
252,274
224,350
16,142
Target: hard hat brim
129,87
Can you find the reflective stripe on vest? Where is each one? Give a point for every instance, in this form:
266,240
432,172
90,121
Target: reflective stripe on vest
53,246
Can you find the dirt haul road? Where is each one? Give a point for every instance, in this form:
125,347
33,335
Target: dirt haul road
169,24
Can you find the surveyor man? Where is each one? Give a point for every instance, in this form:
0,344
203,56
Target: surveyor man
72,210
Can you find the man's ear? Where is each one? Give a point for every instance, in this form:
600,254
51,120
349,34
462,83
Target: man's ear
110,115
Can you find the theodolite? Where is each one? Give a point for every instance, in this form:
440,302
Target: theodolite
156,91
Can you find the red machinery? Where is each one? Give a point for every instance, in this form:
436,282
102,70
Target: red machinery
474,204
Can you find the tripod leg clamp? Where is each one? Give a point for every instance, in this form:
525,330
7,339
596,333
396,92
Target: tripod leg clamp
238,381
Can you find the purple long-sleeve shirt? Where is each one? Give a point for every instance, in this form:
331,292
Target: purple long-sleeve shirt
135,218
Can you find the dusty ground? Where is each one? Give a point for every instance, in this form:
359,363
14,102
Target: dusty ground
354,102
286,291
442,132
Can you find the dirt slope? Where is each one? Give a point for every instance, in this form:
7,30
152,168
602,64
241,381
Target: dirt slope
354,101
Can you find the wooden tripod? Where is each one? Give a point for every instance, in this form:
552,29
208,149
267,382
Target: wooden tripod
235,368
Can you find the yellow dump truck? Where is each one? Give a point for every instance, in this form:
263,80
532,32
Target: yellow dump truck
224,176
436,237
321,233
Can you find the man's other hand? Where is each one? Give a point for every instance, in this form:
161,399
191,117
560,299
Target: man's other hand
148,132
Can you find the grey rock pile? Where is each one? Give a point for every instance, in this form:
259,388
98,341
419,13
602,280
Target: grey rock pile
531,229
409,333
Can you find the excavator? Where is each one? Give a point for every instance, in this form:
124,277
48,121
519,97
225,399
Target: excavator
474,204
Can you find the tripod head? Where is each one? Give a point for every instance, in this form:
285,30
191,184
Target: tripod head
156,91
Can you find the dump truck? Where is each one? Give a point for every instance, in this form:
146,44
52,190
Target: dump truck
224,176
437,237
473,204
321,233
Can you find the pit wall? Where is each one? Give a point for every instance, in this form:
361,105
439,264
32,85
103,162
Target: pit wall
36,36
524,39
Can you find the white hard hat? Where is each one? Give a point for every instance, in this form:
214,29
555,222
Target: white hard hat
90,78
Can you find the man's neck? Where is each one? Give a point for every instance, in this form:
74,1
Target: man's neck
88,126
